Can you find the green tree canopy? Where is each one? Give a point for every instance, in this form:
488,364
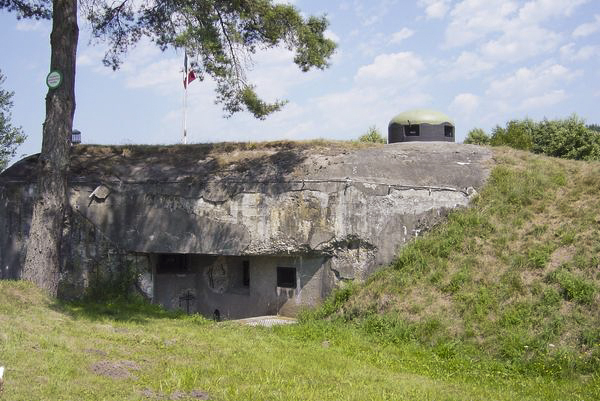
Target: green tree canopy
220,36
517,134
477,136
10,136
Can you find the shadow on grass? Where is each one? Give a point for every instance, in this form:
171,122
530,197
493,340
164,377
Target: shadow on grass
120,310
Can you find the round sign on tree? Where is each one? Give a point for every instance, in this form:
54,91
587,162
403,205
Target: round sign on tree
54,79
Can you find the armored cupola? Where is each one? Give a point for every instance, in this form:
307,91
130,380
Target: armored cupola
421,125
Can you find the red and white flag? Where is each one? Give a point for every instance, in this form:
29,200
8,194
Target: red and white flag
189,75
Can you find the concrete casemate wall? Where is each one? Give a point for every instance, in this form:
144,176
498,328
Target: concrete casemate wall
335,213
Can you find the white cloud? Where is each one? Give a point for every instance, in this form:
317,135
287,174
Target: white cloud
588,28
512,47
161,73
373,12
27,25
401,35
535,11
371,20
507,30
547,99
467,65
90,56
464,103
530,81
275,73
569,52
329,34
364,106
530,88
435,8
473,20
396,67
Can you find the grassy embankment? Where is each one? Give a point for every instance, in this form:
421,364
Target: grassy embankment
500,302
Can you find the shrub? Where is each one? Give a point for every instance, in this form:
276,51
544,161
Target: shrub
372,136
477,136
518,134
568,138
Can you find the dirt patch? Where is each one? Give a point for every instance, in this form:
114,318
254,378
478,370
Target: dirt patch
176,395
115,369
95,352
561,256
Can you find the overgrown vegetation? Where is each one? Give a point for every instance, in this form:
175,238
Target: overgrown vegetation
477,136
372,136
567,138
105,285
515,277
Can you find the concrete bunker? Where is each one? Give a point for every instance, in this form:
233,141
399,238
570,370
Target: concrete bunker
240,233
421,125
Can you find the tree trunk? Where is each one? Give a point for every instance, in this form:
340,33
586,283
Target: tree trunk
42,261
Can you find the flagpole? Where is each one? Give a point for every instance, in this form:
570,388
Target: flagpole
185,113
185,80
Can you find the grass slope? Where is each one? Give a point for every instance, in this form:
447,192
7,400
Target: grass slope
516,276
134,351
467,312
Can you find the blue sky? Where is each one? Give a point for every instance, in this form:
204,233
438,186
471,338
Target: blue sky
483,62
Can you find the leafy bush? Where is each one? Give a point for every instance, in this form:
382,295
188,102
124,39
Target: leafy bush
372,136
518,134
477,136
567,138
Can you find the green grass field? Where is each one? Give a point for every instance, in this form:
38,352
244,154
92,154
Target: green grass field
135,352
500,302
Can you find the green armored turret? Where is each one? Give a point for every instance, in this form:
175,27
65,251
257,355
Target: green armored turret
421,125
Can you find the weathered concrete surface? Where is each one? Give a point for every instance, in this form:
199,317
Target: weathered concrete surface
214,283
350,207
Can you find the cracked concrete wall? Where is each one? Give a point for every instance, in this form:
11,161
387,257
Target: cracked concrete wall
351,209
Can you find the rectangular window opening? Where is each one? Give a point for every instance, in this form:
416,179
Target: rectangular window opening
411,130
286,277
448,131
246,273
172,263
